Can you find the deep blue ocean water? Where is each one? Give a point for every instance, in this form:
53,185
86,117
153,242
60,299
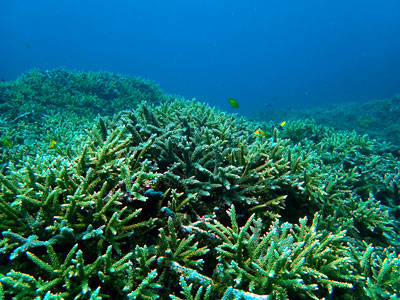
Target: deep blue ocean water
261,53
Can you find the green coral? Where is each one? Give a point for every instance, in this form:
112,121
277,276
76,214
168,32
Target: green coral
284,261
187,291
56,105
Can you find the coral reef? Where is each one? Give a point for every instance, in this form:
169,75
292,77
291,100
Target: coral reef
178,200
377,118
45,106
93,92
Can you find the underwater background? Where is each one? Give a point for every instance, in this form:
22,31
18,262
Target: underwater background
279,53
199,150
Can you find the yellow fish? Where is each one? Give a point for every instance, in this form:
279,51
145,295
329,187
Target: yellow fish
259,131
233,103
282,124
52,144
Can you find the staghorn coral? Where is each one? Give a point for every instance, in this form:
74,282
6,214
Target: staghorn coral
221,168
44,106
284,261
83,208
351,175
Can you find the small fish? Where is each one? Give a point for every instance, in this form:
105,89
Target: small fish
282,124
7,143
233,103
259,132
27,45
52,144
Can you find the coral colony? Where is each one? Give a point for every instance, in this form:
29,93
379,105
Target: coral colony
110,189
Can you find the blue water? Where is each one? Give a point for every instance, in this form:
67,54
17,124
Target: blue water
259,52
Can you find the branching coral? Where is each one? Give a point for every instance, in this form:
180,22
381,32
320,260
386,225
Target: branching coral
286,260
88,205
